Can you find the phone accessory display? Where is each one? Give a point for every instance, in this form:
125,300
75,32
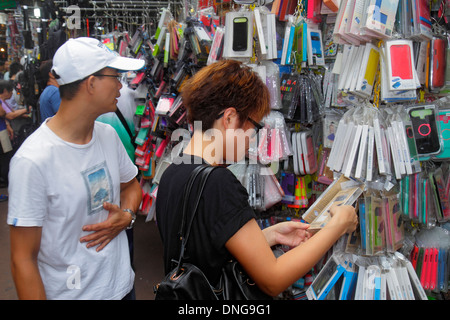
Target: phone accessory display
301,97
351,94
199,39
429,257
355,277
424,196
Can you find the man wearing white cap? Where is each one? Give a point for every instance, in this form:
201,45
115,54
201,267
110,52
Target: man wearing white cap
73,188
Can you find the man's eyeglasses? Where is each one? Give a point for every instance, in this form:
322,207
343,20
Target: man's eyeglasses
118,77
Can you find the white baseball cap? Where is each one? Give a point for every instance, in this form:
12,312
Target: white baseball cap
78,58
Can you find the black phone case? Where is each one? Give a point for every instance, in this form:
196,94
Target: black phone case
240,25
425,130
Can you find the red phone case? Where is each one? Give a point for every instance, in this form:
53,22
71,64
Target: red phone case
401,61
439,62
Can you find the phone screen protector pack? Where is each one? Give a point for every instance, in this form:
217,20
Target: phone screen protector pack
339,144
315,48
323,201
381,145
344,197
421,18
369,67
326,279
380,17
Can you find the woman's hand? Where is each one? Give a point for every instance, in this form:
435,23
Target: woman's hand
289,233
344,217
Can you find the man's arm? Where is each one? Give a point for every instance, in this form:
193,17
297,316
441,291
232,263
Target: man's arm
130,195
25,244
118,220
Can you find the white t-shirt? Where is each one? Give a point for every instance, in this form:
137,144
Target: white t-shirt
61,187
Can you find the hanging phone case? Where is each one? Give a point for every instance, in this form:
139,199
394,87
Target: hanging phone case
301,161
309,153
444,123
425,129
437,64
289,94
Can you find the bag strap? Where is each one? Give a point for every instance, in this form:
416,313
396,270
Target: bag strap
185,229
186,195
125,125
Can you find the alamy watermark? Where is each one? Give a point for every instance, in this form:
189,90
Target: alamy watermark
73,19
237,147
74,279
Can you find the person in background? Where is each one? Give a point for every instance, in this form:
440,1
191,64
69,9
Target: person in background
14,68
16,100
3,69
6,92
5,148
73,189
49,99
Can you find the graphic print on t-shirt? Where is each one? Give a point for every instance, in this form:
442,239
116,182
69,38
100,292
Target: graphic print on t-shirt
99,187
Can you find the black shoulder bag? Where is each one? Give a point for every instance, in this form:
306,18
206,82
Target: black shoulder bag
188,282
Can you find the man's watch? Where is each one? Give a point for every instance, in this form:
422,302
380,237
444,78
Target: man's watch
133,217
